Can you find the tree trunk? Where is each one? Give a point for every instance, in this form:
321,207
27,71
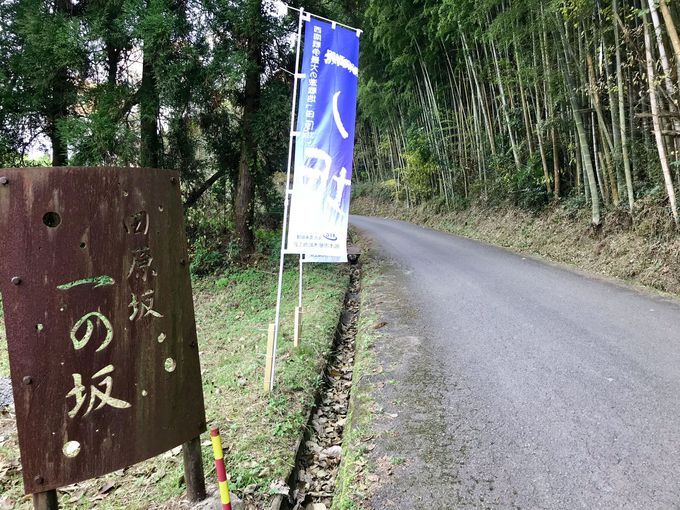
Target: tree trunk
622,114
653,100
197,193
541,147
523,100
670,28
580,128
57,108
506,113
607,146
556,161
244,205
663,57
149,111
579,169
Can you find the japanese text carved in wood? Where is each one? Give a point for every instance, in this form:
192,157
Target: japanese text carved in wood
99,317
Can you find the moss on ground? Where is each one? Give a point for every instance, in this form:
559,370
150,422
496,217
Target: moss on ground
259,432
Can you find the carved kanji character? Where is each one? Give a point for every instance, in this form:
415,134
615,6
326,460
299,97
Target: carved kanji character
79,393
143,307
141,264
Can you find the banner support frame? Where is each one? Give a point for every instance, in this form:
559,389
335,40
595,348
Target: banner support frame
309,14
286,206
300,282
298,311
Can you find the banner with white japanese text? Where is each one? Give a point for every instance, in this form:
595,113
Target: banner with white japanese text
324,148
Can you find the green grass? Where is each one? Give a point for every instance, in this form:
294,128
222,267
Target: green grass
259,432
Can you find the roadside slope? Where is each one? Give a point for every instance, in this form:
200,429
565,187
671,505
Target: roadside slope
644,252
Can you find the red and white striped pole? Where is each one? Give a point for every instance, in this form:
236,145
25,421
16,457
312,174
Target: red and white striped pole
221,470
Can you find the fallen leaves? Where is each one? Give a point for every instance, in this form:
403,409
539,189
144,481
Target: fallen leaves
107,487
334,452
316,506
323,451
279,487
373,478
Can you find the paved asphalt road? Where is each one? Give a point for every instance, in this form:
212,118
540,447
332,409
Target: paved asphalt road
558,390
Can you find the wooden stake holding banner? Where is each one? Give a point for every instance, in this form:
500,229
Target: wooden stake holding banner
298,327
270,359
298,311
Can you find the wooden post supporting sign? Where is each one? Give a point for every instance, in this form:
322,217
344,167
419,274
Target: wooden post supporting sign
298,326
270,359
45,500
193,470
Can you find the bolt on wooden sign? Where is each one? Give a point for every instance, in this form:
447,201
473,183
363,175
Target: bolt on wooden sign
99,318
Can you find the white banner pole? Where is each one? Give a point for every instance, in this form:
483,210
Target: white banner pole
298,311
286,201
300,285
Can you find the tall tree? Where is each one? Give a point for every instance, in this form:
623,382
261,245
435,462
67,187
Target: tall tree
251,38
49,65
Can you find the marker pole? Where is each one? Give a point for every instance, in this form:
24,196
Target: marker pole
221,470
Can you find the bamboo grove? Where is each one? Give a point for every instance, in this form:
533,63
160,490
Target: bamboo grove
525,100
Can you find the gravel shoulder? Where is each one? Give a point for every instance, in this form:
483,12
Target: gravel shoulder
6,398
398,449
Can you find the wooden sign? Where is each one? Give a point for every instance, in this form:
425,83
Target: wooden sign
99,318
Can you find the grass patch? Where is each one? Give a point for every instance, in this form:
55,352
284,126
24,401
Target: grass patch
259,432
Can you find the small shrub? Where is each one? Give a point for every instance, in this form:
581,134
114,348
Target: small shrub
207,257
573,204
527,187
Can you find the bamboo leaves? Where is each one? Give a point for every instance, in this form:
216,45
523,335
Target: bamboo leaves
582,95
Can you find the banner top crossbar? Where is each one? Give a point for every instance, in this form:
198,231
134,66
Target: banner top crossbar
357,30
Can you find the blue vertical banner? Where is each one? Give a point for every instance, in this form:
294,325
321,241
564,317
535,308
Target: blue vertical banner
324,149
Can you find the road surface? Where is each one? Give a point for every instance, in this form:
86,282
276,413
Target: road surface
512,383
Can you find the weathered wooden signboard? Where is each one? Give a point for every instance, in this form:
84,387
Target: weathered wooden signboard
99,318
